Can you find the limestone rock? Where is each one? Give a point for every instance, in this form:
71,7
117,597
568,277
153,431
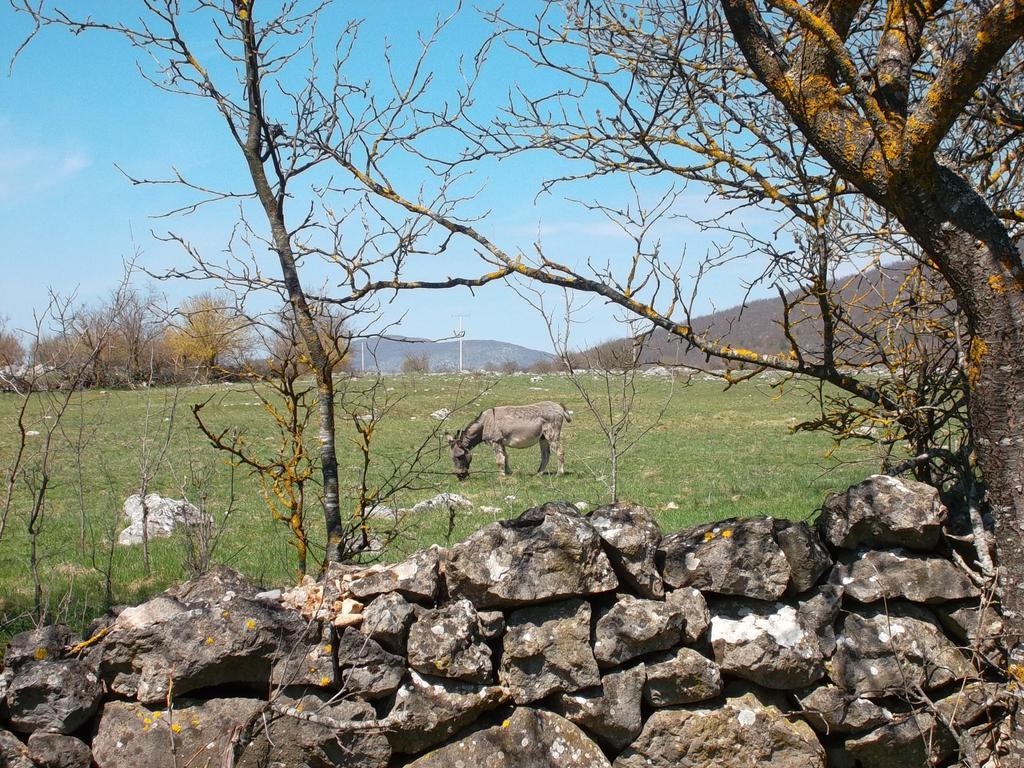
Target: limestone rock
966,706
292,741
744,732
883,511
631,537
43,644
446,642
917,739
890,575
818,611
217,587
13,754
416,578
545,554
311,662
611,712
697,617
365,668
832,710
765,643
492,624
682,676
546,649
387,620
58,696
54,750
732,557
430,709
129,733
162,517
807,557
528,739
632,627
234,641
878,654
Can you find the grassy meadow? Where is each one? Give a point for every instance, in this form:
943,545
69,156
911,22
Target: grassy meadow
714,453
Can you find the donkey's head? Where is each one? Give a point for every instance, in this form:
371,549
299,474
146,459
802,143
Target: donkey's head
461,457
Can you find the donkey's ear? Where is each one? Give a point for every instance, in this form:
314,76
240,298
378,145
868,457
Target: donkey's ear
449,438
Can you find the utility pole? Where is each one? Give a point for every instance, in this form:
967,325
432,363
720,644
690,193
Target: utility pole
460,334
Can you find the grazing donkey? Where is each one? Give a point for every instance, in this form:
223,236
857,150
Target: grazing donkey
512,426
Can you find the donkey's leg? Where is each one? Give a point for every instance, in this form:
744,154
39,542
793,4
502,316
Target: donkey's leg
501,458
545,454
556,441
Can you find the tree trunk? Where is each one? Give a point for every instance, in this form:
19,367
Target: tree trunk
972,249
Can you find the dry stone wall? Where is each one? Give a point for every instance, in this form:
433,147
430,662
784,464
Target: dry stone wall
551,640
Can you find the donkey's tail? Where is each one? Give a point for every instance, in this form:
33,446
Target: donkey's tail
565,413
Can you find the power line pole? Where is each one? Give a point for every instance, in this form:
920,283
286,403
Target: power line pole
460,334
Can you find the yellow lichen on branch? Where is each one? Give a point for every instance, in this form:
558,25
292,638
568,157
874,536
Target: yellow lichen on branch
977,352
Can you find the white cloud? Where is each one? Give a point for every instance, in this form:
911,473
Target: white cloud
30,170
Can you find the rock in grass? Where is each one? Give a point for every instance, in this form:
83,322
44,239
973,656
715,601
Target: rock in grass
547,553
530,738
546,649
883,511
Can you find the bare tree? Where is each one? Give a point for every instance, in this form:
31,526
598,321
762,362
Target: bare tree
298,143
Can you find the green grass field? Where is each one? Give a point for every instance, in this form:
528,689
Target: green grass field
714,454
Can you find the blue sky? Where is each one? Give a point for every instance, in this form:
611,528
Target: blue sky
74,107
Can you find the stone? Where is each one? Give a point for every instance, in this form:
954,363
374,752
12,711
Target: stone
234,641
446,642
57,696
891,575
733,557
492,624
632,627
528,739
883,511
387,620
428,710
818,611
765,643
415,578
44,644
881,654
13,754
308,663
631,537
365,668
217,587
807,557
697,617
610,713
546,554
546,649
55,750
129,733
831,710
915,739
966,706
162,517
747,730
285,740
681,676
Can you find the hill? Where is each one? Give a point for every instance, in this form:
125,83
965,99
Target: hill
387,354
